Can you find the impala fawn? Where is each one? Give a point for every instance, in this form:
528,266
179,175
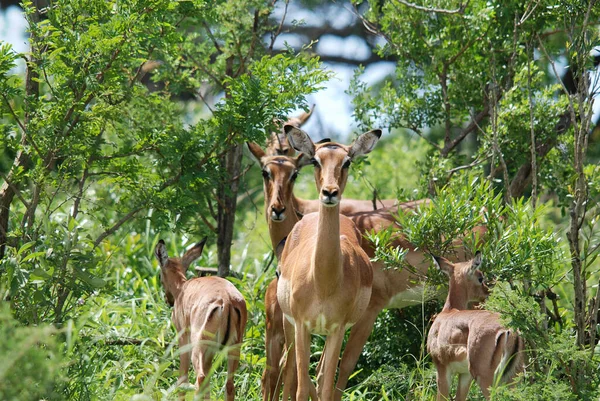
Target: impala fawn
208,312
470,343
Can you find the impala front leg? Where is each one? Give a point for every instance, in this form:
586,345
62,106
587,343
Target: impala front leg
289,365
302,345
333,346
359,334
184,361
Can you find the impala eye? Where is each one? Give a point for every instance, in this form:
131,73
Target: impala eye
346,164
265,174
480,279
294,176
314,162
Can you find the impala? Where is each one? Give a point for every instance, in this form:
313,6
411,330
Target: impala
326,277
280,173
391,288
470,343
208,312
278,145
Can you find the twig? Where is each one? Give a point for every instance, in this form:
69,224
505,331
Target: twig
475,162
459,10
116,226
15,189
278,32
211,36
533,152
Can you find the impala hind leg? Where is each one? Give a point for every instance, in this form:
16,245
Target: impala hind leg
464,383
233,361
444,379
202,358
333,346
359,334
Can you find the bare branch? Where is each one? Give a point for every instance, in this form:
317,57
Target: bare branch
459,10
116,226
275,34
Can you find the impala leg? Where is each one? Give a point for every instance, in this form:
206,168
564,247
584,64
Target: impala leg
302,344
486,381
275,348
233,361
320,371
359,334
202,358
444,380
289,366
333,346
184,362
464,383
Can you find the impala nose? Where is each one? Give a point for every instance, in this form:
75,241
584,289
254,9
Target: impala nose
329,196
277,214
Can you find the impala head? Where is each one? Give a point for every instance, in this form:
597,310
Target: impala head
331,160
173,269
277,144
467,283
279,174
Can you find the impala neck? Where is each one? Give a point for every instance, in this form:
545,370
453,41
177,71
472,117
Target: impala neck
456,299
278,230
300,204
175,279
327,266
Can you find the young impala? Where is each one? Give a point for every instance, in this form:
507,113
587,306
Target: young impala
470,343
208,312
326,277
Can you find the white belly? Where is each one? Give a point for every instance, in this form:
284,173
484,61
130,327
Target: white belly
411,296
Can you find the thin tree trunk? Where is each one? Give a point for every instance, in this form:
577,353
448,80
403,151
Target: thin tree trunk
227,194
32,91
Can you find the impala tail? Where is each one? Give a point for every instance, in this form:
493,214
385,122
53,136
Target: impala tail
231,325
512,356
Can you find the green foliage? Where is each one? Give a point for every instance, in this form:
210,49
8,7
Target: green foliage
30,358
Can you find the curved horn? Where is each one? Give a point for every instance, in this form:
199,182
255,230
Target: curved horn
300,120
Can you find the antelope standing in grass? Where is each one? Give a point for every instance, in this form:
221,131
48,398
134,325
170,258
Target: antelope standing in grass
326,277
470,343
208,312
282,210
391,288
279,173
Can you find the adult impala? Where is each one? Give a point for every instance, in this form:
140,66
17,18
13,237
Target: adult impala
208,312
326,277
279,175
470,343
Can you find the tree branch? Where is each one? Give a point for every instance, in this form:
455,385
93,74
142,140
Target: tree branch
459,10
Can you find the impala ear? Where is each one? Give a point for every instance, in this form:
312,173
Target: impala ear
443,264
256,151
192,254
365,143
302,160
299,140
160,251
476,262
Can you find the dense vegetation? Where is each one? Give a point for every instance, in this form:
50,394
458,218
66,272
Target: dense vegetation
126,124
